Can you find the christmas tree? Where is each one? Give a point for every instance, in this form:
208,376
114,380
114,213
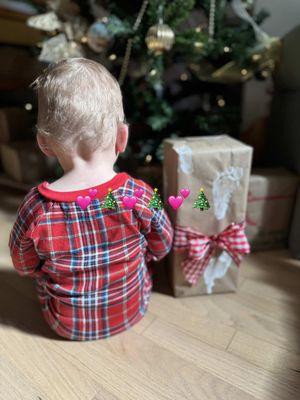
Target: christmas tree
201,202
180,63
155,202
110,201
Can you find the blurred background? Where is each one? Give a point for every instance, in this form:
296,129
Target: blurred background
186,68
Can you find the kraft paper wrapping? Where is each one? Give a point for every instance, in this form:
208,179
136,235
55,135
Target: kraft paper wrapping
272,193
221,165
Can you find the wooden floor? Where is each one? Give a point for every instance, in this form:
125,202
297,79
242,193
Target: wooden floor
229,347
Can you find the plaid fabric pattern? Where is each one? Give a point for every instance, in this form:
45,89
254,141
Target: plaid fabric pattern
89,265
201,247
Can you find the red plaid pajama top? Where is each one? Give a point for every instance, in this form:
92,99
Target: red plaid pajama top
89,265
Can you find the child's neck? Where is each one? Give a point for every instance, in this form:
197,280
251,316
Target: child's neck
81,173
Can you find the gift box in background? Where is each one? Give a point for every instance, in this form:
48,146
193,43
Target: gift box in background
271,199
15,155
221,165
294,237
15,124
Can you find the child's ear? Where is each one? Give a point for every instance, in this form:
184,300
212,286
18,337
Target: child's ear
122,138
43,145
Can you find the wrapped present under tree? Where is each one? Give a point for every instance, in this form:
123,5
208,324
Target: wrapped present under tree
208,244
271,199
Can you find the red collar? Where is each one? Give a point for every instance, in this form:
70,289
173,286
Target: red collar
102,189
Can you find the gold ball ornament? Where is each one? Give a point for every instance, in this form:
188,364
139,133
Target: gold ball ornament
160,38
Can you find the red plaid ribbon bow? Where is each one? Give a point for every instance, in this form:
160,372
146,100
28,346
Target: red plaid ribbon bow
201,247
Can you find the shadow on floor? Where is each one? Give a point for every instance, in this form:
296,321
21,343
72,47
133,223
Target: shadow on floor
19,307
160,278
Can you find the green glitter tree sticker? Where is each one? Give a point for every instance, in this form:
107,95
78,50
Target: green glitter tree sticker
201,202
110,202
155,202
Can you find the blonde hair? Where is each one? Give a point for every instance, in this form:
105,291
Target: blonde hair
79,101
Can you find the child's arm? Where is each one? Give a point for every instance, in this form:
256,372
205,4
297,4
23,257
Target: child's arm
155,225
24,256
160,236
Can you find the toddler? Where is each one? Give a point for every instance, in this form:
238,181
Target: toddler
85,248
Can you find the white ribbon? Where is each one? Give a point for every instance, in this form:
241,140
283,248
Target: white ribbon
240,9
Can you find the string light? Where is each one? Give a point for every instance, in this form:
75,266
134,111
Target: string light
184,77
153,72
199,45
256,57
227,49
221,101
265,73
148,158
28,106
244,72
112,57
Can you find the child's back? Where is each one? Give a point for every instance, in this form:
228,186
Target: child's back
88,251
90,269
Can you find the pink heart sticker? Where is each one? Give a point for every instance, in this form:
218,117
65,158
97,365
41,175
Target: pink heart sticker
175,202
83,202
185,192
129,202
93,192
139,193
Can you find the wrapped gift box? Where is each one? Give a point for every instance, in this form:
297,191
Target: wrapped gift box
15,123
271,199
24,162
221,165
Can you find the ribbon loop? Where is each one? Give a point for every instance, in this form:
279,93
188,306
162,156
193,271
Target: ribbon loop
201,248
